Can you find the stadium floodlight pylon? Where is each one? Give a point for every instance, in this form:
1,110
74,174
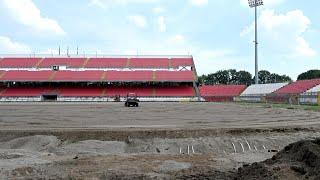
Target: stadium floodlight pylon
254,4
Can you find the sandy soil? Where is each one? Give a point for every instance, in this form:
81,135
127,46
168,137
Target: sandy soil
154,141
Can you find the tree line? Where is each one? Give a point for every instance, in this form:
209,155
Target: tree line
232,76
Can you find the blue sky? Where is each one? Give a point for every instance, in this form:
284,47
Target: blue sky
219,34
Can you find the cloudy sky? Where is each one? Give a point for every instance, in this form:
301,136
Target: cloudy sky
219,34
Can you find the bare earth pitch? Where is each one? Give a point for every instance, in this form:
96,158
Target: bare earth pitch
150,115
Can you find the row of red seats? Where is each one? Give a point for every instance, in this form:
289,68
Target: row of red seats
95,62
298,87
97,76
185,91
222,90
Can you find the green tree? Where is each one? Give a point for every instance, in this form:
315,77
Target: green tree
230,76
312,74
243,77
276,78
266,77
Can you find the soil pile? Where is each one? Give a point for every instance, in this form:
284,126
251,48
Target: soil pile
300,160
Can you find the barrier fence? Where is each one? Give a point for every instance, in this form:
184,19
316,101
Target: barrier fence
303,99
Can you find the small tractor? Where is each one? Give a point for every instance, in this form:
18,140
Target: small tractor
131,100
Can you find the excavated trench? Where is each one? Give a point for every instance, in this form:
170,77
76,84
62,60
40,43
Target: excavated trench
228,149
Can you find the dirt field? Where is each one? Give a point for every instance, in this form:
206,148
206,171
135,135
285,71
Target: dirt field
154,141
150,115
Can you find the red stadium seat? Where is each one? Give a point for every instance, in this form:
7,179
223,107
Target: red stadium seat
176,62
79,76
69,62
123,91
298,87
80,91
129,76
175,91
149,63
24,75
19,62
222,90
107,63
26,92
174,76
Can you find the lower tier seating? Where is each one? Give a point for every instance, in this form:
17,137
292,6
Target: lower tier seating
183,91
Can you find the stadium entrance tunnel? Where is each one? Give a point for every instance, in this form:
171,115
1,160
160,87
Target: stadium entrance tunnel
49,97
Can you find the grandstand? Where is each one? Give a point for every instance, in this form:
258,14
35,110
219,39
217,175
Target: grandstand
171,78
315,89
291,93
258,92
221,93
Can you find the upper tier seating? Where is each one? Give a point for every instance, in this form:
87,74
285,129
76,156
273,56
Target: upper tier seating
106,63
69,62
298,87
19,62
109,62
149,63
222,90
262,89
176,62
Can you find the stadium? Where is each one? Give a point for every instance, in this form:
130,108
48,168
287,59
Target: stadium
159,90
56,110
98,79
151,78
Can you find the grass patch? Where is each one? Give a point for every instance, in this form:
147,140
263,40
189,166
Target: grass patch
286,106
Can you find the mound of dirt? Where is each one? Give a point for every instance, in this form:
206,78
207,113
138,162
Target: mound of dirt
93,147
169,166
300,160
35,143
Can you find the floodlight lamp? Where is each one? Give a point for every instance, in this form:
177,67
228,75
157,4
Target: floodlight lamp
255,3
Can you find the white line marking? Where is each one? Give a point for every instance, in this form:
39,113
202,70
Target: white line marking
242,146
188,149
255,147
264,147
180,150
192,149
234,148
248,145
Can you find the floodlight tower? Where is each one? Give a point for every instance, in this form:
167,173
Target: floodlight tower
254,4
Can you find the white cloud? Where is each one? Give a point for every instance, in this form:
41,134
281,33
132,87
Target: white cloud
162,24
106,3
138,20
283,33
98,3
303,48
198,2
177,39
267,3
10,47
28,14
158,10
209,61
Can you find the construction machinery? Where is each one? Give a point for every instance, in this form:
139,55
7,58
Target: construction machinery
131,100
